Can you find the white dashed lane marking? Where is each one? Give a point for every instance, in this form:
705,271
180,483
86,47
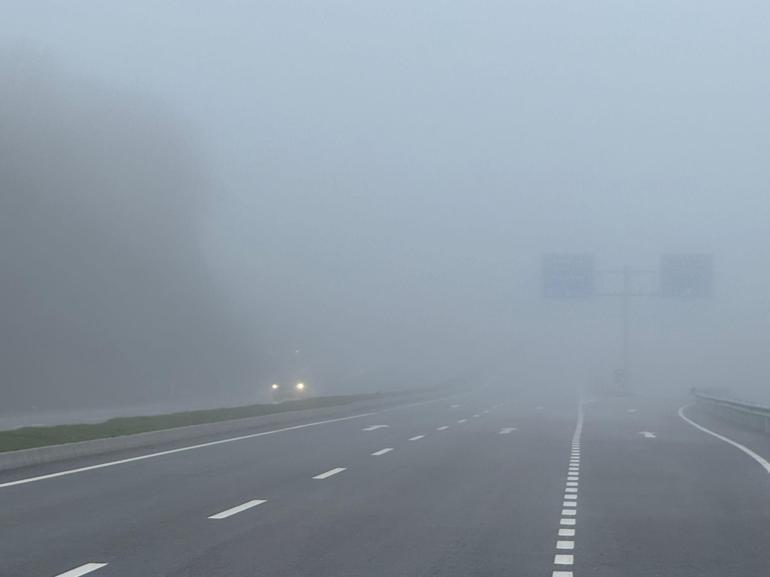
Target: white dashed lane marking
569,504
238,509
443,428
416,437
461,421
82,570
329,473
382,452
375,427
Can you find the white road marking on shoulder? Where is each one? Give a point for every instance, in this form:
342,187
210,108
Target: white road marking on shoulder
382,452
235,510
416,437
329,473
179,450
82,570
762,462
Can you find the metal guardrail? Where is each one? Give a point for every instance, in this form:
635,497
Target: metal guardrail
744,414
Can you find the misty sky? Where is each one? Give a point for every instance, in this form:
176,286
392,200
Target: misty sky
375,182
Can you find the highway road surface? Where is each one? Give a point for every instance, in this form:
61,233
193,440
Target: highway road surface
487,483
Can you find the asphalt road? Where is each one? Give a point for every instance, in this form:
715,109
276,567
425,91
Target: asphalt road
484,484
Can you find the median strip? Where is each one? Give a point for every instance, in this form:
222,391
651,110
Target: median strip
179,450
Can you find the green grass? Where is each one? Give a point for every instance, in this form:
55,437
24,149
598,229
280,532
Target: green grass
29,437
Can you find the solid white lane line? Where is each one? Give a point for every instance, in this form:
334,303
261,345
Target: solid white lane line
565,545
329,473
180,450
564,521
444,428
238,509
82,570
762,462
416,437
566,532
564,559
382,452
461,421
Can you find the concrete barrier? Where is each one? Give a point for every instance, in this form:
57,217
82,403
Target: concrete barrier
741,413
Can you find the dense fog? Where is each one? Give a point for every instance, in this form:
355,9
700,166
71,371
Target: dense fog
198,199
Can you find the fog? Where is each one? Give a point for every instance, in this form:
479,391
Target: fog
198,199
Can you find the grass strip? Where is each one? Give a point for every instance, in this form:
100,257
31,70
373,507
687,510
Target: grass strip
30,437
